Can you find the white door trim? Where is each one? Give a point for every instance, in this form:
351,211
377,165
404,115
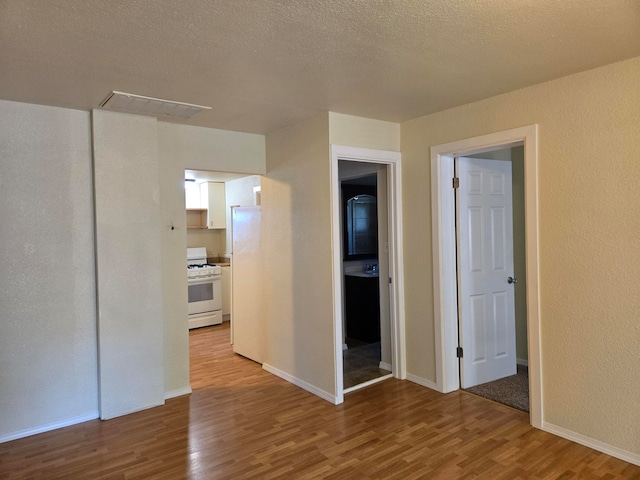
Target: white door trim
396,271
444,256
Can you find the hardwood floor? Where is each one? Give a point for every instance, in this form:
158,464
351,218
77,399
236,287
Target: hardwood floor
241,422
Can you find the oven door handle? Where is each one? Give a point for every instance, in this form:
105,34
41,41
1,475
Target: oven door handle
201,280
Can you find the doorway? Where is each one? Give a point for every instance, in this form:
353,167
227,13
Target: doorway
444,256
235,190
388,265
367,342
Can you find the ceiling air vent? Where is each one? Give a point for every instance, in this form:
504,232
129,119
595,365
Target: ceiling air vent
150,106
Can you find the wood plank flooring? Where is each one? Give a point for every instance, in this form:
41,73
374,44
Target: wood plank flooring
241,422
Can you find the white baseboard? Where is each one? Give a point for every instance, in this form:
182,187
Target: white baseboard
522,361
423,381
178,392
385,366
630,457
300,383
27,432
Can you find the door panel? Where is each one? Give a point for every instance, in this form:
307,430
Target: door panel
485,261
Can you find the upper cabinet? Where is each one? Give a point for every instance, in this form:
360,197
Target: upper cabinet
212,198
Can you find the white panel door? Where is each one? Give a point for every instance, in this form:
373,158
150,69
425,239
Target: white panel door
485,267
246,302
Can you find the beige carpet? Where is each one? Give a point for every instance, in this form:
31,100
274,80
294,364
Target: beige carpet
512,391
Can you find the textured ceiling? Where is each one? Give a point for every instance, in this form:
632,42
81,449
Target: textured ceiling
263,64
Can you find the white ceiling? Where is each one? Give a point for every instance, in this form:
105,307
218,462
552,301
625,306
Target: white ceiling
264,64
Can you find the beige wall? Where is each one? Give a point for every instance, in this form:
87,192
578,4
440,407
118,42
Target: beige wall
200,148
363,132
213,240
589,249
296,235
296,232
47,274
519,257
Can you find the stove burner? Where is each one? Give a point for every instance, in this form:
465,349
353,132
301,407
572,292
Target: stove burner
201,265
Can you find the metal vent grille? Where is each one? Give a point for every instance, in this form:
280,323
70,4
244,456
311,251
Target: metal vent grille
150,106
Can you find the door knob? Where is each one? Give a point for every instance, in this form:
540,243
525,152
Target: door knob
512,280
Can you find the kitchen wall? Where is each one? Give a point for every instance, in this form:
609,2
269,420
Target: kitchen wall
213,240
47,281
588,236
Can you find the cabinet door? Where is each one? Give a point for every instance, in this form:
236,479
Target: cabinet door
212,197
362,308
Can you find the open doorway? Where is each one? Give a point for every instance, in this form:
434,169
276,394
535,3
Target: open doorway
444,256
366,329
386,268
209,199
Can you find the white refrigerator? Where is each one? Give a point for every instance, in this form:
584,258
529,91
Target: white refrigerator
247,330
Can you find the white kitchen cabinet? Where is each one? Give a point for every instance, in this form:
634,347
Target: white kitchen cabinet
213,199
226,292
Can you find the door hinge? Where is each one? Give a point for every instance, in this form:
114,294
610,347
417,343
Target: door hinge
389,279
456,182
459,352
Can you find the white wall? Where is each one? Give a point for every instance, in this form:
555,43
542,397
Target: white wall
48,343
128,248
47,287
173,260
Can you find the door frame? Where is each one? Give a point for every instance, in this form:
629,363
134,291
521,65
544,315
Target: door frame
444,256
396,269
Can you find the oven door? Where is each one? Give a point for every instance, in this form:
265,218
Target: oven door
202,296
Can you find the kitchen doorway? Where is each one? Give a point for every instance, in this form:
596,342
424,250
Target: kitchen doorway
209,198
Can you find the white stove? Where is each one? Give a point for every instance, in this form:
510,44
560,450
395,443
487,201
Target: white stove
205,289
203,270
